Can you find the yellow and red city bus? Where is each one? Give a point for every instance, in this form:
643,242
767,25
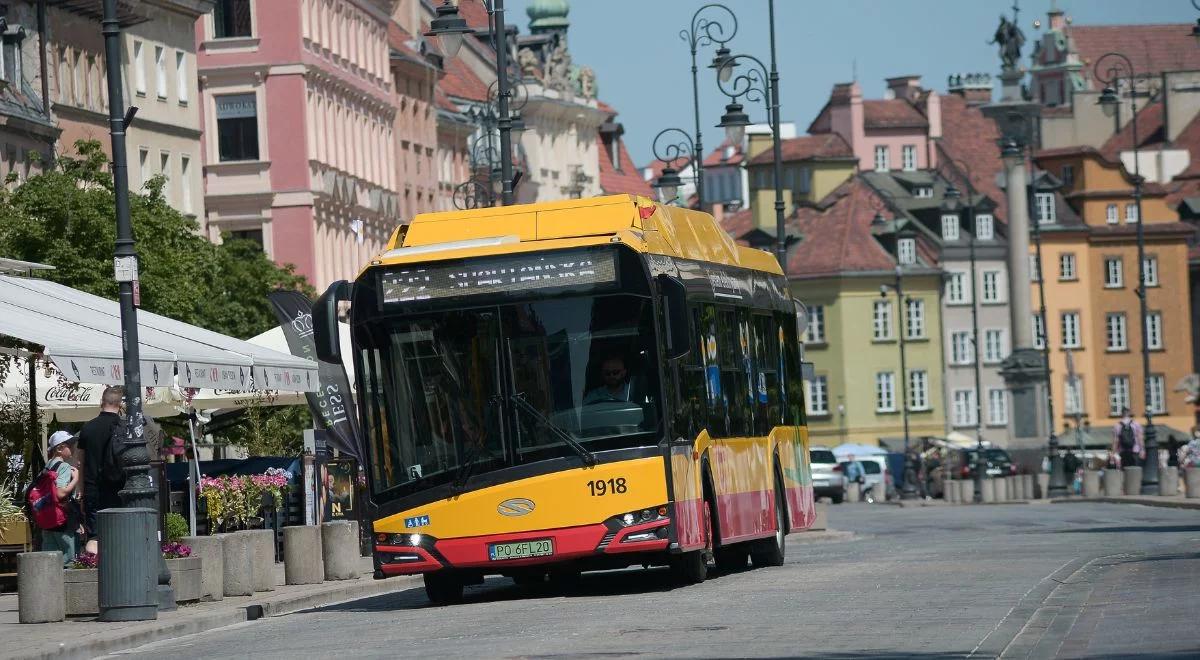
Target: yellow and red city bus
576,385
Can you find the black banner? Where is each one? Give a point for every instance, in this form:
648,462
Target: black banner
332,405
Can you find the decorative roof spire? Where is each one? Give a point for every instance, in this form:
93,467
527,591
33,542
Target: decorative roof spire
548,15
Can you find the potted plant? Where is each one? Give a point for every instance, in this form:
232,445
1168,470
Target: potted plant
185,569
80,582
14,529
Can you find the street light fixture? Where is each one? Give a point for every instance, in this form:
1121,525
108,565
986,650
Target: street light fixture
757,84
705,31
449,28
674,148
1120,67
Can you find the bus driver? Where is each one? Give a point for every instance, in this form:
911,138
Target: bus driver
616,384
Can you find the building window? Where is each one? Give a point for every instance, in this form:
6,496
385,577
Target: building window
1110,214
985,227
1158,394
144,164
181,77
964,408
1073,393
1131,213
1066,266
1113,276
882,160
1045,208
906,251
1070,330
231,18
818,396
885,392
1118,394
915,326
185,184
882,320
1035,269
918,389
991,286
923,192
139,72
1115,331
1154,331
949,227
237,127
960,348
997,407
1068,176
255,235
908,153
993,346
1039,331
10,56
815,334
164,168
160,72
1150,268
956,288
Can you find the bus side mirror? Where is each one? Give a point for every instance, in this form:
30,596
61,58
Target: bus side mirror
325,322
677,333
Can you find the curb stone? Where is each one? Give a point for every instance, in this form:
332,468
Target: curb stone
1166,503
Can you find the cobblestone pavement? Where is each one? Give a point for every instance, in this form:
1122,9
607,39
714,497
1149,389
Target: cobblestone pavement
1020,581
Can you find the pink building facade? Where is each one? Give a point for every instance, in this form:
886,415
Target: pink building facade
299,116
897,133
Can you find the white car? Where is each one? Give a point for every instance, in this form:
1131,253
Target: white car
828,478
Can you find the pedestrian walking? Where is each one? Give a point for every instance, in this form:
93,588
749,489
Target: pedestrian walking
1128,440
63,538
103,476
855,473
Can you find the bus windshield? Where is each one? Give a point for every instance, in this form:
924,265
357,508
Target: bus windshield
454,393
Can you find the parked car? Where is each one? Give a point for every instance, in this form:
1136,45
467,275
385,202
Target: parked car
875,472
828,478
962,463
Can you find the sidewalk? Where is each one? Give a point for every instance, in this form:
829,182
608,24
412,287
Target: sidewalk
85,637
1176,502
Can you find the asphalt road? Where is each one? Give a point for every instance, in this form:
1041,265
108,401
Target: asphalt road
1047,580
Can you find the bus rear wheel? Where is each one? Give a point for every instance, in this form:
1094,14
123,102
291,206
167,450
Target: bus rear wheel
770,552
443,588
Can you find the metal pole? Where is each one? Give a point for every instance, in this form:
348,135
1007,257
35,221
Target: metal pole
42,64
504,121
698,159
1150,465
902,329
1058,483
980,460
193,473
780,230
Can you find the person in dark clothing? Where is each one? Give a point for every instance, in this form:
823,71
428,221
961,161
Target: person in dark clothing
99,487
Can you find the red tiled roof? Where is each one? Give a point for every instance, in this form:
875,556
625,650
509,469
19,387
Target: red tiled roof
738,224
970,137
805,147
836,235
627,179
443,101
462,83
716,157
475,14
1150,132
1152,48
892,113
605,107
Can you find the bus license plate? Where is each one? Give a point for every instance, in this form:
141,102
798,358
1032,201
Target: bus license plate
520,550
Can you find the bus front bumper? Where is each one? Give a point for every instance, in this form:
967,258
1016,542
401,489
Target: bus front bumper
473,552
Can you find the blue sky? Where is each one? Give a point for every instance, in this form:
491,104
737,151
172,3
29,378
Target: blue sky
644,70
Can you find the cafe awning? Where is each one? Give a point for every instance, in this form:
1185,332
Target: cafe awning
81,334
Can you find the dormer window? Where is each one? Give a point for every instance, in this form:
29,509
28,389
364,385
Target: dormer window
906,251
10,53
950,227
923,192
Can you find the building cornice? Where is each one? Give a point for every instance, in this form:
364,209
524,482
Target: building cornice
141,123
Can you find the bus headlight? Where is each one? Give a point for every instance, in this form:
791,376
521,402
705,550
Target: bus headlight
642,516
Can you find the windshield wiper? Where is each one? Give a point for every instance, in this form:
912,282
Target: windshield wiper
570,440
467,467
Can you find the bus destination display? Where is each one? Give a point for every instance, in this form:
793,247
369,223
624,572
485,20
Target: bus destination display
509,274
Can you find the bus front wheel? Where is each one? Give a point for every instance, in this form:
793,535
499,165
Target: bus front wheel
692,567
443,588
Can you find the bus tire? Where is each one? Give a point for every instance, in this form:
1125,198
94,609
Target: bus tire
770,552
443,588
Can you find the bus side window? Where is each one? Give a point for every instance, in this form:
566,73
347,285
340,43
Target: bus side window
714,381
691,402
793,379
733,374
766,363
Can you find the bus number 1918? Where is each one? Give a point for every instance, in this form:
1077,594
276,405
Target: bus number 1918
607,487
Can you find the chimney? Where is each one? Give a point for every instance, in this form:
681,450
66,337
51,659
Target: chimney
904,87
976,88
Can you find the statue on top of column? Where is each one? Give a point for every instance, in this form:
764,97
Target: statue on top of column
1010,39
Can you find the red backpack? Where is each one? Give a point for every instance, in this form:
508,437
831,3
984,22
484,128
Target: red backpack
46,509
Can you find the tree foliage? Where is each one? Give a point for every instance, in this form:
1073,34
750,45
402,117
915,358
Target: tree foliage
65,217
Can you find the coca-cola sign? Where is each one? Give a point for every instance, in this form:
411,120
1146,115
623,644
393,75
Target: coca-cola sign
79,394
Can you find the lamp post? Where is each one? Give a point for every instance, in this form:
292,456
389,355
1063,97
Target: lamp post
704,31
756,84
449,29
487,172
1119,67
950,205
669,152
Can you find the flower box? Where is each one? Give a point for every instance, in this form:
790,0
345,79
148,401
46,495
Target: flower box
82,591
186,578
16,533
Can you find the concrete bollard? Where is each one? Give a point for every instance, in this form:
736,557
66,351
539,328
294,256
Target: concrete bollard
966,491
237,574
821,523
212,565
853,492
989,491
1043,482
1112,482
262,554
1132,477
1168,481
1023,493
1010,484
1001,489
1091,483
1027,482
303,562
41,595
339,549
950,491
1192,481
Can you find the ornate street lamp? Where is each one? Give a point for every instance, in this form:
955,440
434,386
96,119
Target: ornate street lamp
449,29
756,84
705,31
670,152
1119,68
